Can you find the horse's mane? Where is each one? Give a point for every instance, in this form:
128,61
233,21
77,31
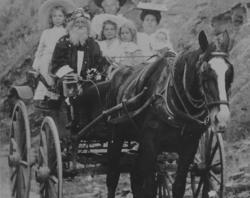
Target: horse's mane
191,61
129,81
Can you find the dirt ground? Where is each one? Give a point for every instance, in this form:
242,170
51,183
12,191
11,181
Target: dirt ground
86,186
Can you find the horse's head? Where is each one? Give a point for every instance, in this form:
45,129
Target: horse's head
216,75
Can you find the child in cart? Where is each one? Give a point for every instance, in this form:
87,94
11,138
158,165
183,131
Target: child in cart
52,18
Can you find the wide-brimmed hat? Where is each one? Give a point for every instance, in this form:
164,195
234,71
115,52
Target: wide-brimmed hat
45,9
99,2
98,20
151,9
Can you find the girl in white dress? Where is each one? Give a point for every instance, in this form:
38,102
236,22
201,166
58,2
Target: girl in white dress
110,45
132,54
48,40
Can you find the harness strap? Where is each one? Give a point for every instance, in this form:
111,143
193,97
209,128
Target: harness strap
125,108
191,100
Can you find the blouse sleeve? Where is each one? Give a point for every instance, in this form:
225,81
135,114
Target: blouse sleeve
39,52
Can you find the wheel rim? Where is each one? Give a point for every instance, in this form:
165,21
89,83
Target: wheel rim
19,152
207,175
49,173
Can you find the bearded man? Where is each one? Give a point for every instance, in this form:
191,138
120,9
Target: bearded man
77,52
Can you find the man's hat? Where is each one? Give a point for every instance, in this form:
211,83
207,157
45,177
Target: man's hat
77,13
45,9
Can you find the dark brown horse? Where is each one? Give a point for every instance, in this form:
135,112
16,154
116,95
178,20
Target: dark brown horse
184,101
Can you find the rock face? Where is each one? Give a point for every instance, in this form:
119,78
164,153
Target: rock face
238,170
19,36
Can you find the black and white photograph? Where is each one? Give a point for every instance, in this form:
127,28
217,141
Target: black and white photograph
124,98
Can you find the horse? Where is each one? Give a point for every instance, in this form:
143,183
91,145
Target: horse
185,99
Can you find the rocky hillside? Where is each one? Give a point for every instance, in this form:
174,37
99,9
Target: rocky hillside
19,35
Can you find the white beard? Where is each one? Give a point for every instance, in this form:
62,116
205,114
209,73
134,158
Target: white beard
78,36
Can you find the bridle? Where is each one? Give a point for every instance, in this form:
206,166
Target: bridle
216,102
201,105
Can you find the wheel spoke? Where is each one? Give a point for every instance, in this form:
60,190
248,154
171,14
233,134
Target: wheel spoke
52,189
199,187
213,153
215,177
169,189
44,158
44,142
25,175
170,178
42,187
24,163
14,187
54,179
208,146
13,174
215,165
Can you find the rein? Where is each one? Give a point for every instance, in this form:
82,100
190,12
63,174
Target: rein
202,104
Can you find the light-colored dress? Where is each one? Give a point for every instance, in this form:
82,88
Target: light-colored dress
111,49
132,54
143,41
43,57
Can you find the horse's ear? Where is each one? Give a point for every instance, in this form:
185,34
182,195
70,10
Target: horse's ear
203,42
224,45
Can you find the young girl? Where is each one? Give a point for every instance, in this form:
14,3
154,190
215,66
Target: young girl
110,43
127,35
56,23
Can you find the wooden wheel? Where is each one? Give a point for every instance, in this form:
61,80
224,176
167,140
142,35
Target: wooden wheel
165,175
207,172
164,182
49,171
19,152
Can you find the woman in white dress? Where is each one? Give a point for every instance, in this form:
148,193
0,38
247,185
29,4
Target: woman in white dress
150,21
132,54
56,11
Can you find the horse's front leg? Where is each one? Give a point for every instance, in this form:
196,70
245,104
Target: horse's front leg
142,176
186,157
113,172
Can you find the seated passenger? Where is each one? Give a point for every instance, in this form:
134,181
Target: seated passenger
51,17
127,35
77,52
109,43
150,21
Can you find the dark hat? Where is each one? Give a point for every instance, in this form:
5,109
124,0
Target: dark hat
99,2
155,13
77,13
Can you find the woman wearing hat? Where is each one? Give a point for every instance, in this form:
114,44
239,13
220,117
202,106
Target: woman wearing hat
52,18
150,21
